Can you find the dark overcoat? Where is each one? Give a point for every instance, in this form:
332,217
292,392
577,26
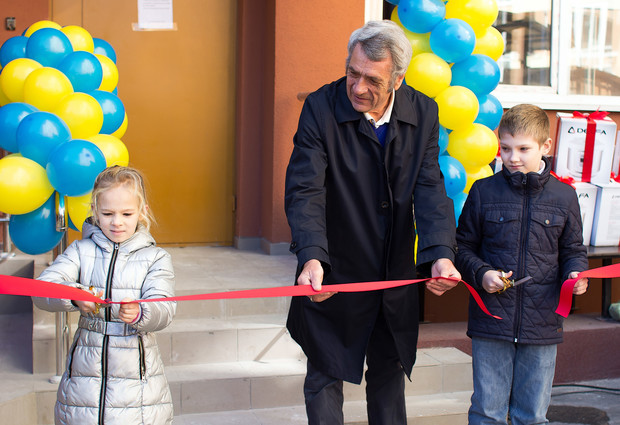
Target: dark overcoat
350,204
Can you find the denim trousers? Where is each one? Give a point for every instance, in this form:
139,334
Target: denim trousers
385,386
511,379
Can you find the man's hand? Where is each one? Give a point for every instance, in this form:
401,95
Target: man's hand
443,267
312,274
581,286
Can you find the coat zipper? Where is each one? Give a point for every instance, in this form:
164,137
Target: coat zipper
142,360
104,347
524,232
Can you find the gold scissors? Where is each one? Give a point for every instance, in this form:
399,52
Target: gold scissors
511,283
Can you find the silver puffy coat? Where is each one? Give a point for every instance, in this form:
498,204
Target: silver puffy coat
114,375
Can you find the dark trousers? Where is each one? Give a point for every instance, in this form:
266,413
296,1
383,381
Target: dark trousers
385,386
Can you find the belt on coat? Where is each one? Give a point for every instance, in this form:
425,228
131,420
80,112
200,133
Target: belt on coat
106,328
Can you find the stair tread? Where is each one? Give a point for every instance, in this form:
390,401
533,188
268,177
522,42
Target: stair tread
453,405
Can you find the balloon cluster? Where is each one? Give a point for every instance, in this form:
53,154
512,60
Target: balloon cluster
61,118
455,53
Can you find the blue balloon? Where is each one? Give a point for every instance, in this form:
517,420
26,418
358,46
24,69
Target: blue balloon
459,201
113,110
454,175
490,111
13,48
443,139
102,47
73,167
479,73
452,40
48,46
421,16
83,69
11,115
35,232
39,134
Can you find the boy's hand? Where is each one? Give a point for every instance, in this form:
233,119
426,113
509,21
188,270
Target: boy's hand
128,313
582,284
492,282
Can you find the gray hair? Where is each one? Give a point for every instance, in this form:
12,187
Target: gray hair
382,39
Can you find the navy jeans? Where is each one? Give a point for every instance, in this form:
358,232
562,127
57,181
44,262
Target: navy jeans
513,379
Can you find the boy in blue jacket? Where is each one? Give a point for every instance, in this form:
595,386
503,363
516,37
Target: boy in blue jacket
521,222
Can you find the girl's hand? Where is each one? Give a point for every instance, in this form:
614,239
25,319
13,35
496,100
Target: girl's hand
491,281
128,312
88,307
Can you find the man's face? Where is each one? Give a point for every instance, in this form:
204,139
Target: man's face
368,83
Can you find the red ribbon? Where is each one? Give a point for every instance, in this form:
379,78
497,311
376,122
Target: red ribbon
13,285
588,153
565,179
566,293
614,177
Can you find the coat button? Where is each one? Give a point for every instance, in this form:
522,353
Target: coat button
501,219
293,245
547,221
385,204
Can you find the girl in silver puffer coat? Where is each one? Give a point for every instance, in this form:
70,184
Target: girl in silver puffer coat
115,374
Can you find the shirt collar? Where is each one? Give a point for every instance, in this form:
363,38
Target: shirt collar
386,116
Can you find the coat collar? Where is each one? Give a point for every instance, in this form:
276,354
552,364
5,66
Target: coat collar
532,181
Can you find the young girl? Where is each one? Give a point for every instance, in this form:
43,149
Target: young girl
114,370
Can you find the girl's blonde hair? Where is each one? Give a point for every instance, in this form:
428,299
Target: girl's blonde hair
122,176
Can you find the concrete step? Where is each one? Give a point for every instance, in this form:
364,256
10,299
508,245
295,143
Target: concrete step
241,386
435,409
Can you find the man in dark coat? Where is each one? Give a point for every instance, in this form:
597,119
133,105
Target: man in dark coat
364,158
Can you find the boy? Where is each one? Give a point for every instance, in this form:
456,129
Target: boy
519,223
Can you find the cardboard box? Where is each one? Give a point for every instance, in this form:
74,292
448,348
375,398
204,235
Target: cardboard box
615,165
606,224
586,193
570,146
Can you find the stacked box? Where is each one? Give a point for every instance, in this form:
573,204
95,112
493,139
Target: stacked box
570,148
606,223
586,193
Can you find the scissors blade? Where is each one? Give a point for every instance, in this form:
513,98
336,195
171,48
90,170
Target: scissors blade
522,281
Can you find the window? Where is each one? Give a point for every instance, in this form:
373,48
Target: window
560,54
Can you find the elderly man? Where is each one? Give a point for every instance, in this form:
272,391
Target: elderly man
364,159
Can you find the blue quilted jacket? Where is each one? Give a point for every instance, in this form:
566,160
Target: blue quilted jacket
530,224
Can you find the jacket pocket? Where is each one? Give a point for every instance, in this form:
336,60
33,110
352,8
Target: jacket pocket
546,229
501,227
71,354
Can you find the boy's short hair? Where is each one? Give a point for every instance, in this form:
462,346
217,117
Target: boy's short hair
526,120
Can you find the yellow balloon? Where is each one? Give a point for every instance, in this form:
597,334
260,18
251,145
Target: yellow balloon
429,74
80,38
480,14
458,107
24,185
14,75
110,73
473,146
79,209
4,100
114,150
490,43
45,87
480,173
120,132
82,113
41,24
